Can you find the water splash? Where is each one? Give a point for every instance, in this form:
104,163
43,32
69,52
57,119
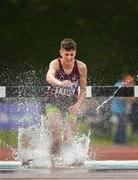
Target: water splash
32,77
102,104
34,148
34,143
136,77
73,152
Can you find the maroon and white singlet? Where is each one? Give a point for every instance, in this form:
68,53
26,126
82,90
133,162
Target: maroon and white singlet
63,97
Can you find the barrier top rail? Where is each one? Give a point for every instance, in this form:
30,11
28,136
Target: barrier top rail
92,91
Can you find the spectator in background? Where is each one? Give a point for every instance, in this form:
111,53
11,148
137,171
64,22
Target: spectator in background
134,118
119,108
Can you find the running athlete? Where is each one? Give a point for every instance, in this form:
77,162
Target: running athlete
65,75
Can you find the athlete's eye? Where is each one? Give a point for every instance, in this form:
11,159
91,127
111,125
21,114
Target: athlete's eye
67,54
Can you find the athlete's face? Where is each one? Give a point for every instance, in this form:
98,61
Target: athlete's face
68,56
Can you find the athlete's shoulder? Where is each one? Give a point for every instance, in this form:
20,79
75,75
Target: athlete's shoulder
81,64
55,64
55,61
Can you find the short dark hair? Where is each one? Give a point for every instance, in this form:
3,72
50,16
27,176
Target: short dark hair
68,44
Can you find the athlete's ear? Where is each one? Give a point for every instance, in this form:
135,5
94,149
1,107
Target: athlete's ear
60,52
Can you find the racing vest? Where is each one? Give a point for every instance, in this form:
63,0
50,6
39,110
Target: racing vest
64,96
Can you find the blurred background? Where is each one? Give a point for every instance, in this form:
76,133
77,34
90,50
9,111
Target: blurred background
107,36
30,32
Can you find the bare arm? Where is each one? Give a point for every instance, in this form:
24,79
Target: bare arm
83,82
50,77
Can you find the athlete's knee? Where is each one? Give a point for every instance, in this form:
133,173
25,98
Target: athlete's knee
50,108
71,116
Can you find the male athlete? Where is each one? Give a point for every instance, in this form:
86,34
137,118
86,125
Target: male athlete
64,75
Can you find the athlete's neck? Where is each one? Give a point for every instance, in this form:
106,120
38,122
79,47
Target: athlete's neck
67,65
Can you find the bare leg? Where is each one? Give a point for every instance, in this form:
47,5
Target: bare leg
25,141
54,123
70,126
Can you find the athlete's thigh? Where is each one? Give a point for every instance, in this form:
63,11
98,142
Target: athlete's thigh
53,115
71,120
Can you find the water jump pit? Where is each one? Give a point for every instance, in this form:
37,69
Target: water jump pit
14,169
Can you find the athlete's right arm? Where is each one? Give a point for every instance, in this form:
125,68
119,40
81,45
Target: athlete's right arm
50,77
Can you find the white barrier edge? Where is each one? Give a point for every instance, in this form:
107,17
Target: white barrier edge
2,91
88,91
135,91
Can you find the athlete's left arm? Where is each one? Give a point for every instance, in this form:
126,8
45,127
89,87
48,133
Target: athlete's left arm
83,82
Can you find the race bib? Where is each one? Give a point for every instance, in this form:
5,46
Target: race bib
68,91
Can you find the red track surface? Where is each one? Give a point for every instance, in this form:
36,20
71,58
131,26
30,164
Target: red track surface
114,152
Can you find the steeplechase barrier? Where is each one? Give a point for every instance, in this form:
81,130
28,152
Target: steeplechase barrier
92,91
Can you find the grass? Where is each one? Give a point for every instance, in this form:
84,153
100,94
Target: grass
98,137
9,138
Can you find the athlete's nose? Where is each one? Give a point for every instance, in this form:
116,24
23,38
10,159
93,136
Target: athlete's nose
69,57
